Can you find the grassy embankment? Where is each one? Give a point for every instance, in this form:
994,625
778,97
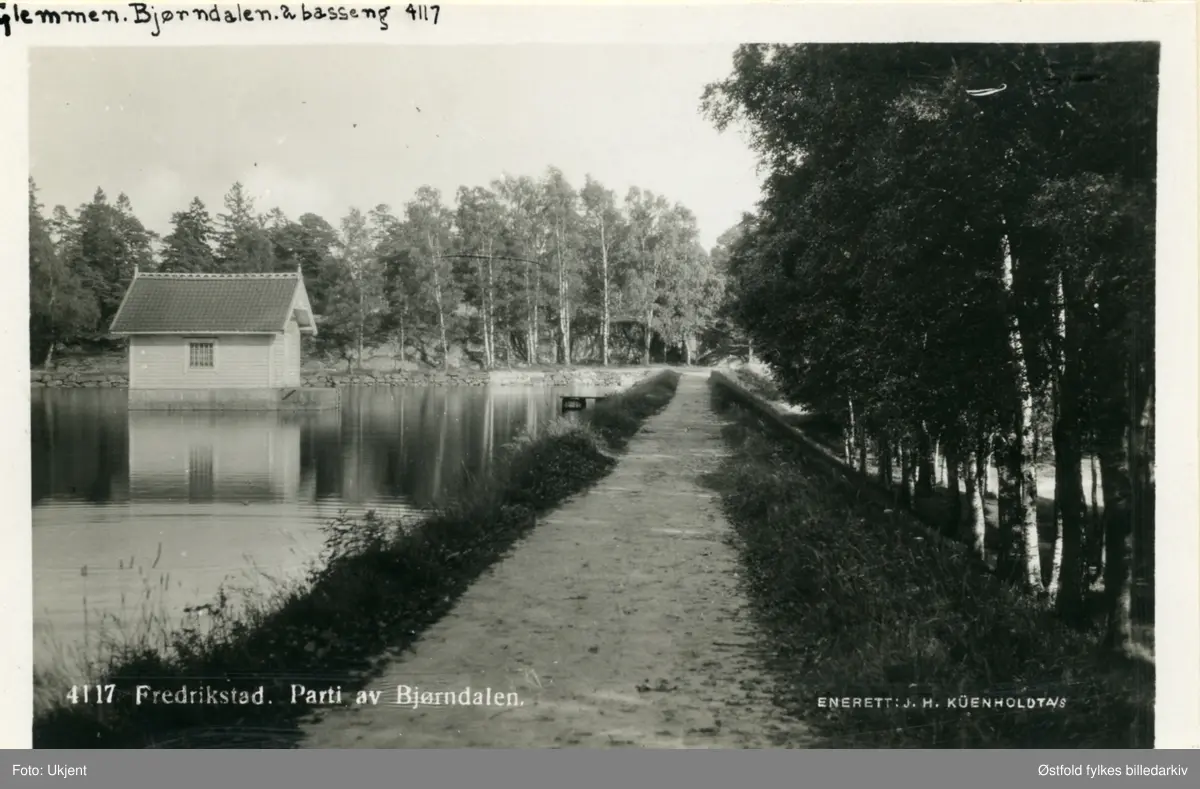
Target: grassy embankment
856,604
937,509
378,587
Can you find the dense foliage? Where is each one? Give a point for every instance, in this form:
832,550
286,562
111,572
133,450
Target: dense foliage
523,271
955,249
854,611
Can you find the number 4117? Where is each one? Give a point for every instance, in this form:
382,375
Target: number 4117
424,13
88,694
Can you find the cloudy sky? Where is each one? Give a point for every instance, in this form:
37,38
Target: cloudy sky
324,129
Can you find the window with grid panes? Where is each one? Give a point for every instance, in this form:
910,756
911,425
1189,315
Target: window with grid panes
200,355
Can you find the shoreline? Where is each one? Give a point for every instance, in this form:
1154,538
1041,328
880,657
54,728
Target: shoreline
619,377
379,586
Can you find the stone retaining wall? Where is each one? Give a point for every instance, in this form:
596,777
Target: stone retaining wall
605,378
74,379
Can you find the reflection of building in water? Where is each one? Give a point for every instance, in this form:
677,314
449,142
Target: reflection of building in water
320,442
197,456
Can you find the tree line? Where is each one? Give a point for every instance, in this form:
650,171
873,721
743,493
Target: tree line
525,270
956,250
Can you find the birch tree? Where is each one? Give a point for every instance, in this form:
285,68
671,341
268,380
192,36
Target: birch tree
956,243
524,212
561,212
358,299
427,232
480,222
647,215
603,221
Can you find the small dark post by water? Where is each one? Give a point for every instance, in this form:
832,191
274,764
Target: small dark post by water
577,403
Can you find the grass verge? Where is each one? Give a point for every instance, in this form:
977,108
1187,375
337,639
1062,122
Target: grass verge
379,585
856,606
756,382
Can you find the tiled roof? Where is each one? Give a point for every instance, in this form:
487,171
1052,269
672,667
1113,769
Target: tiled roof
170,303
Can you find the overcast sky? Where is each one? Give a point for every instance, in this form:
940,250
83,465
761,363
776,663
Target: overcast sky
324,129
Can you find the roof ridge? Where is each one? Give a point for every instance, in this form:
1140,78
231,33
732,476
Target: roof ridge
157,302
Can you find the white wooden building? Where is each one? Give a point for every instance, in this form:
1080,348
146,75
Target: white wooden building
214,331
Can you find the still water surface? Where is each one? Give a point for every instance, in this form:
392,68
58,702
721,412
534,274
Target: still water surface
151,512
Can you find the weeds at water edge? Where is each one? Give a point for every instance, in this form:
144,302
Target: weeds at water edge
379,585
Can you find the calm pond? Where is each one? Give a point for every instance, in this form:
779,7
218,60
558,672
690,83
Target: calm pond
147,513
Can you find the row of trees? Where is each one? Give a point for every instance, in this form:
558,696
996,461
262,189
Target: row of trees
504,269
956,249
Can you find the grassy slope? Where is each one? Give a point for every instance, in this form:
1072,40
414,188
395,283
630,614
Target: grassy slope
381,586
937,509
855,605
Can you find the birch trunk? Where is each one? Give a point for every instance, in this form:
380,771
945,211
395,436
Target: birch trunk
955,518
1022,457
1095,539
490,323
604,315
924,462
564,307
529,318
480,311
646,346
651,296
1058,351
851,434
537,326
437,295
491,309
1067,583
976,481
905,475
362,319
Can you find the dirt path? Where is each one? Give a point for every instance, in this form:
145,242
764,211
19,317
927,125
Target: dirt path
617,622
